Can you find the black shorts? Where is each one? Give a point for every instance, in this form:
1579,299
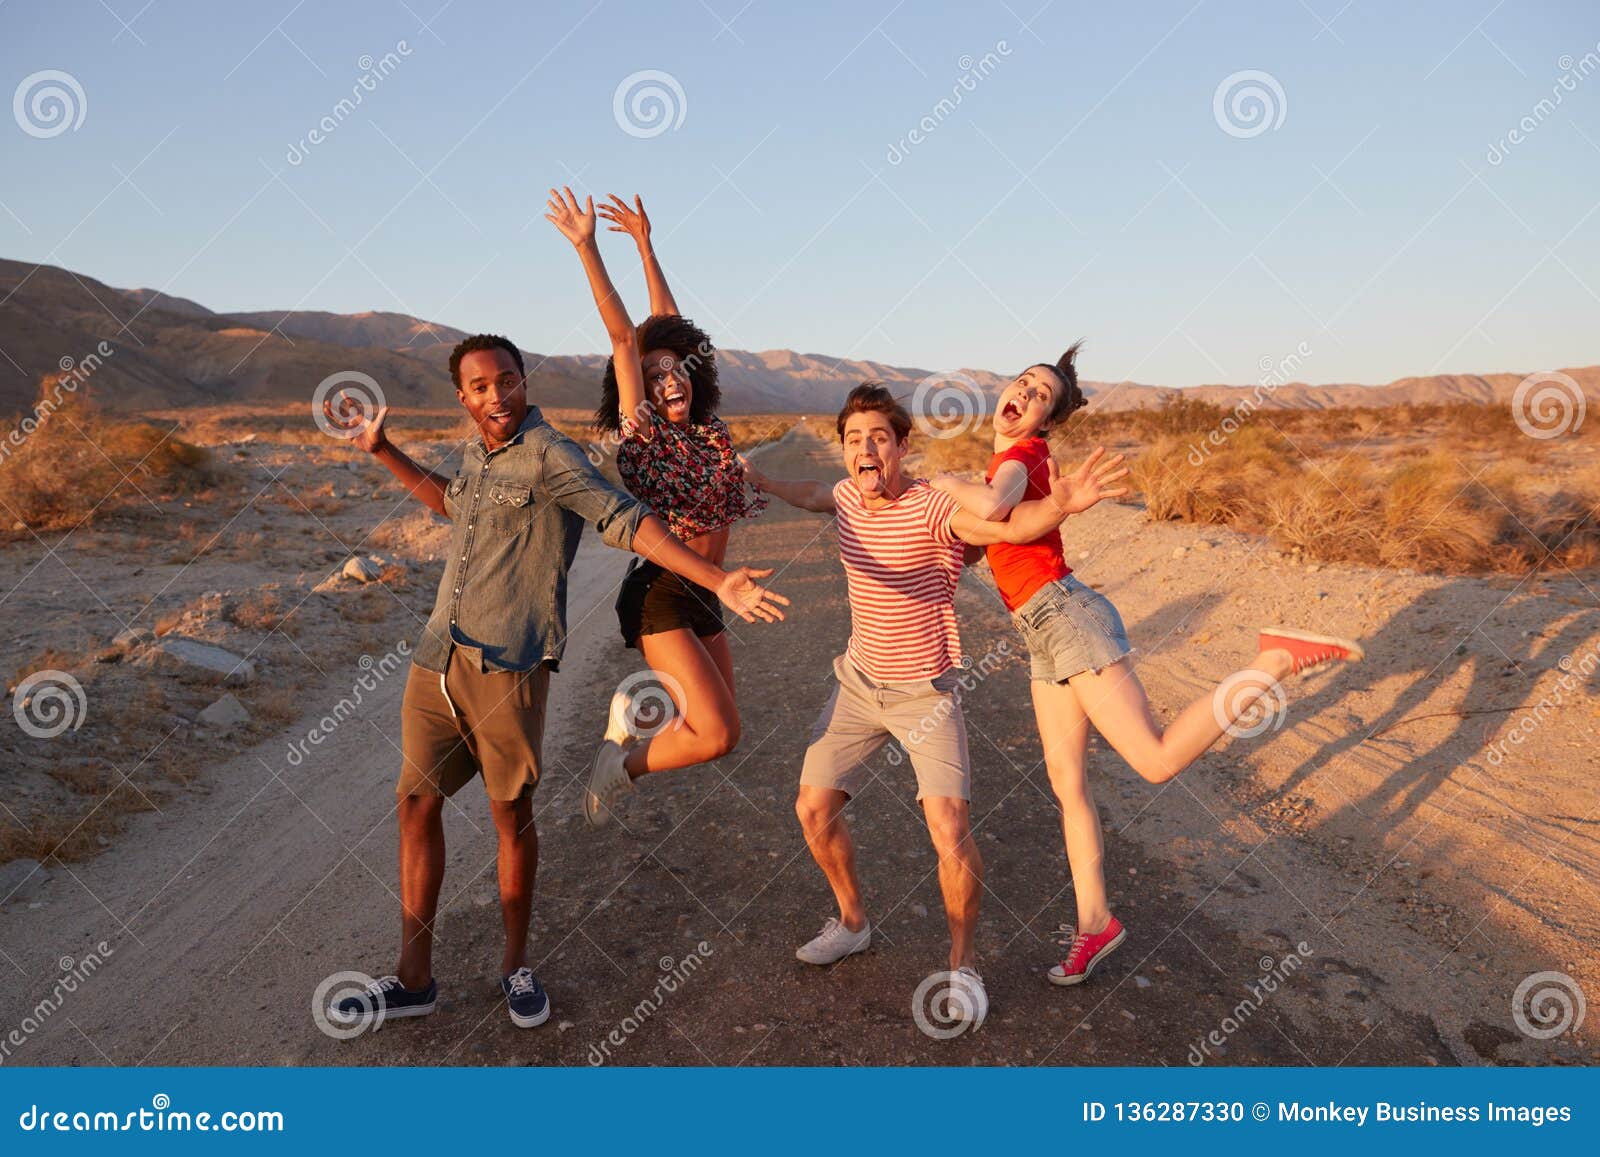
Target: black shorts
653,600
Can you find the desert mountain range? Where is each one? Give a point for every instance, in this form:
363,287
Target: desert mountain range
172,352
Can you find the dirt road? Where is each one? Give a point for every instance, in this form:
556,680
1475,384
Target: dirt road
1319,895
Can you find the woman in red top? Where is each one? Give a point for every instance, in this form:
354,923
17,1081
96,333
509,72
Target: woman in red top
659,401
1079,653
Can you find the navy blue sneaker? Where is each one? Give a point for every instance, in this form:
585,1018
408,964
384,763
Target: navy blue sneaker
386,999
526,998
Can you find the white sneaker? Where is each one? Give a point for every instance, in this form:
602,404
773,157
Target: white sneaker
834,943
617,729
969,1000
608,783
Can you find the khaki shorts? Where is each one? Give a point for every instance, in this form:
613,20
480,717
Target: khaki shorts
466,722
924,717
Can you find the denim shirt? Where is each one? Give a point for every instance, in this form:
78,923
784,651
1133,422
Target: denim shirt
516,515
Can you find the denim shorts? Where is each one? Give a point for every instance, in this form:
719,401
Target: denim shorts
1069,629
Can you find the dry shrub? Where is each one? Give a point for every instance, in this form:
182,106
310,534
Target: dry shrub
76,461
1226,486
750,431
367,606
50,659
955,452
1430,514
258,611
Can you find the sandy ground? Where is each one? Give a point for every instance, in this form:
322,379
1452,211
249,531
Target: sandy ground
1423,879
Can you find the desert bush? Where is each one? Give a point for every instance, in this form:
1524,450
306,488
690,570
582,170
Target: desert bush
71,461
1430,514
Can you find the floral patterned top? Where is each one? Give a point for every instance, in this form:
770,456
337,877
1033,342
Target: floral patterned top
688,474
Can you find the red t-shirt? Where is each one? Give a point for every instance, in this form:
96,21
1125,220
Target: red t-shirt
1021,569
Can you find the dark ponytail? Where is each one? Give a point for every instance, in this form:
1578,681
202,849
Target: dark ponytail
1070,399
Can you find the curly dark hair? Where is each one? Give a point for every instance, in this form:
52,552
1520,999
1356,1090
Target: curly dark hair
694,351
1070,399
477,343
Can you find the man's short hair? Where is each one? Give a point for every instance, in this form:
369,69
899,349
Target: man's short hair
477,343
874,397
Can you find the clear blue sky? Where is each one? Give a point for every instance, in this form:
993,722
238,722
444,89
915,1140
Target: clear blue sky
1084,186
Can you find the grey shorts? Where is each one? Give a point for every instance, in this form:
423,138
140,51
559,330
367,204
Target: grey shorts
923,717
1069,629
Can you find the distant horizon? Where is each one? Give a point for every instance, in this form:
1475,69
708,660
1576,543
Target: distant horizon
1088,379
1197,189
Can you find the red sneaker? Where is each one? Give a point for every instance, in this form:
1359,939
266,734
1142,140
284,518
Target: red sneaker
1086,952
1310,650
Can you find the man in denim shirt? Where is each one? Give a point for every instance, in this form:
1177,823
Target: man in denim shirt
474,702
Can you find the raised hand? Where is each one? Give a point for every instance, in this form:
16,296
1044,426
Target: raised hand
369,435
748,599
577,223
1076,492
635,222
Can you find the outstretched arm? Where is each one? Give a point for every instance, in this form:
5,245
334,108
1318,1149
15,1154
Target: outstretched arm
803,494
425,486
988,500
635,222
577,226
736,588
1069,494
571,481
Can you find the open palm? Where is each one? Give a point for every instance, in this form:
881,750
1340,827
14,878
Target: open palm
576,222
749,599
1076,492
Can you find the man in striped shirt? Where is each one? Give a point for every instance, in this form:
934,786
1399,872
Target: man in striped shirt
902,544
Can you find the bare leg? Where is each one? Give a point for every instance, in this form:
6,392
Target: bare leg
1064,730
960,872
1116,704
421,875
698,674
821,812
517,863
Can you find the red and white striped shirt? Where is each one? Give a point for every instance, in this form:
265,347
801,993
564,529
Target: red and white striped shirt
901,565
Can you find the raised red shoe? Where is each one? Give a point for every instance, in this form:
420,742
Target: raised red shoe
1087,951
1310,650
